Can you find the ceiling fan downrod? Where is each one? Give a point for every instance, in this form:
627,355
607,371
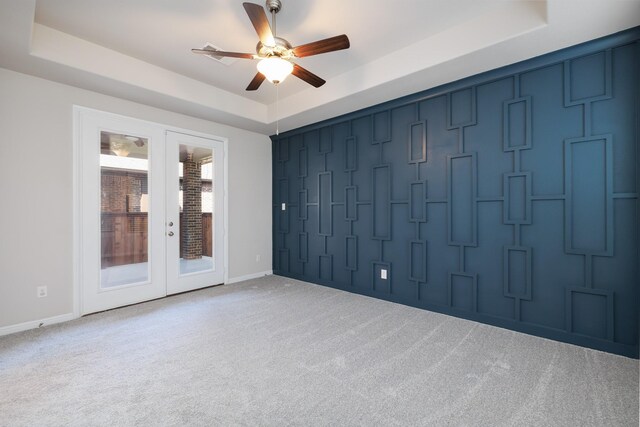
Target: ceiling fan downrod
274,7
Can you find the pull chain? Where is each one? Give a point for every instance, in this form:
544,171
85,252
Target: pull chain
277,115
274,29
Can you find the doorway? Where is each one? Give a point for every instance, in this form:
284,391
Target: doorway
152,210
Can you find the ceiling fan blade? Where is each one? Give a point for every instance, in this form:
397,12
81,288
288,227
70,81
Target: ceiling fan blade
307,76
322,46
256,82
223,53
260,22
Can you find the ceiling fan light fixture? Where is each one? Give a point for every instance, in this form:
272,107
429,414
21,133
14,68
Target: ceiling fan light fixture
120,149
275,69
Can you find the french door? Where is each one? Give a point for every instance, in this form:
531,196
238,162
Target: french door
151,211
194,207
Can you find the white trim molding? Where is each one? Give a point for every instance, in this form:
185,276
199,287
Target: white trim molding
34,324
248,277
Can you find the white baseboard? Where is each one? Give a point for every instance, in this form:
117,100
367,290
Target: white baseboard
248,277
33,324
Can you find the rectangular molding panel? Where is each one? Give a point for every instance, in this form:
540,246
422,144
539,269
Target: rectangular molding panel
509,198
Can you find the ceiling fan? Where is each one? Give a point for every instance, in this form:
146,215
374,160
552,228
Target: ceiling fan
275,53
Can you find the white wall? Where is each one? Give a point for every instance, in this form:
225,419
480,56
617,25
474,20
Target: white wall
36,195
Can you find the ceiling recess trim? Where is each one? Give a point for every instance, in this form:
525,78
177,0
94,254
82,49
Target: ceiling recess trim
508,33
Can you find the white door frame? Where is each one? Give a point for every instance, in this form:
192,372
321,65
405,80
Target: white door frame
80,112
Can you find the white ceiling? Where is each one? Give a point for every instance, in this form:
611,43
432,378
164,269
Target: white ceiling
140,49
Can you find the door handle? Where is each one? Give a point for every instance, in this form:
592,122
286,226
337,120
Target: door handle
170,233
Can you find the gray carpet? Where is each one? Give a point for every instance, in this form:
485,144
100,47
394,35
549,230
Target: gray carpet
275,351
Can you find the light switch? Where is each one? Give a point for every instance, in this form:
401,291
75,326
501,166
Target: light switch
284,206
383,274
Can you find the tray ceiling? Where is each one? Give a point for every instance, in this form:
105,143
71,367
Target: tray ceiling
140,50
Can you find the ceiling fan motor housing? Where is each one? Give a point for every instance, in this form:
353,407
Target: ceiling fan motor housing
281,49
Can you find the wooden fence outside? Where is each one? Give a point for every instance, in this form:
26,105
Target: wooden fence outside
125,237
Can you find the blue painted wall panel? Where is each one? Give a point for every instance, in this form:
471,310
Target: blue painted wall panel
509,198
616,110
434,171
441,258
397,153
551,124
486,261
485,138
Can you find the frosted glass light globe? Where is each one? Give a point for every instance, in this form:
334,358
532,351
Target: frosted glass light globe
275,69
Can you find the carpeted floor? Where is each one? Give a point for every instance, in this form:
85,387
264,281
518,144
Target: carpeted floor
275,351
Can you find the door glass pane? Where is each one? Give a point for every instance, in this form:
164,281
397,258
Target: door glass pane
196,200
124,209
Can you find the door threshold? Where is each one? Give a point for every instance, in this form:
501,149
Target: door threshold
154,299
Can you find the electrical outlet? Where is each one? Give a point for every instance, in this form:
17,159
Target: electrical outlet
41,291
383,274
257,258
284,206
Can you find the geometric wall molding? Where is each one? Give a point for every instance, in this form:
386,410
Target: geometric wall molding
461,111
417,142
325,267
283,150
325,204
417,198
418,261
351,203
590,312
517,198
589,195
303,247
381,201
462,194
463,291
517,124
303,209
302,163
588,78
516,275
326,142
509,198
351,154
381,127
351,251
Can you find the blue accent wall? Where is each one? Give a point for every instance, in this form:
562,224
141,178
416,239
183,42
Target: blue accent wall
509,198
